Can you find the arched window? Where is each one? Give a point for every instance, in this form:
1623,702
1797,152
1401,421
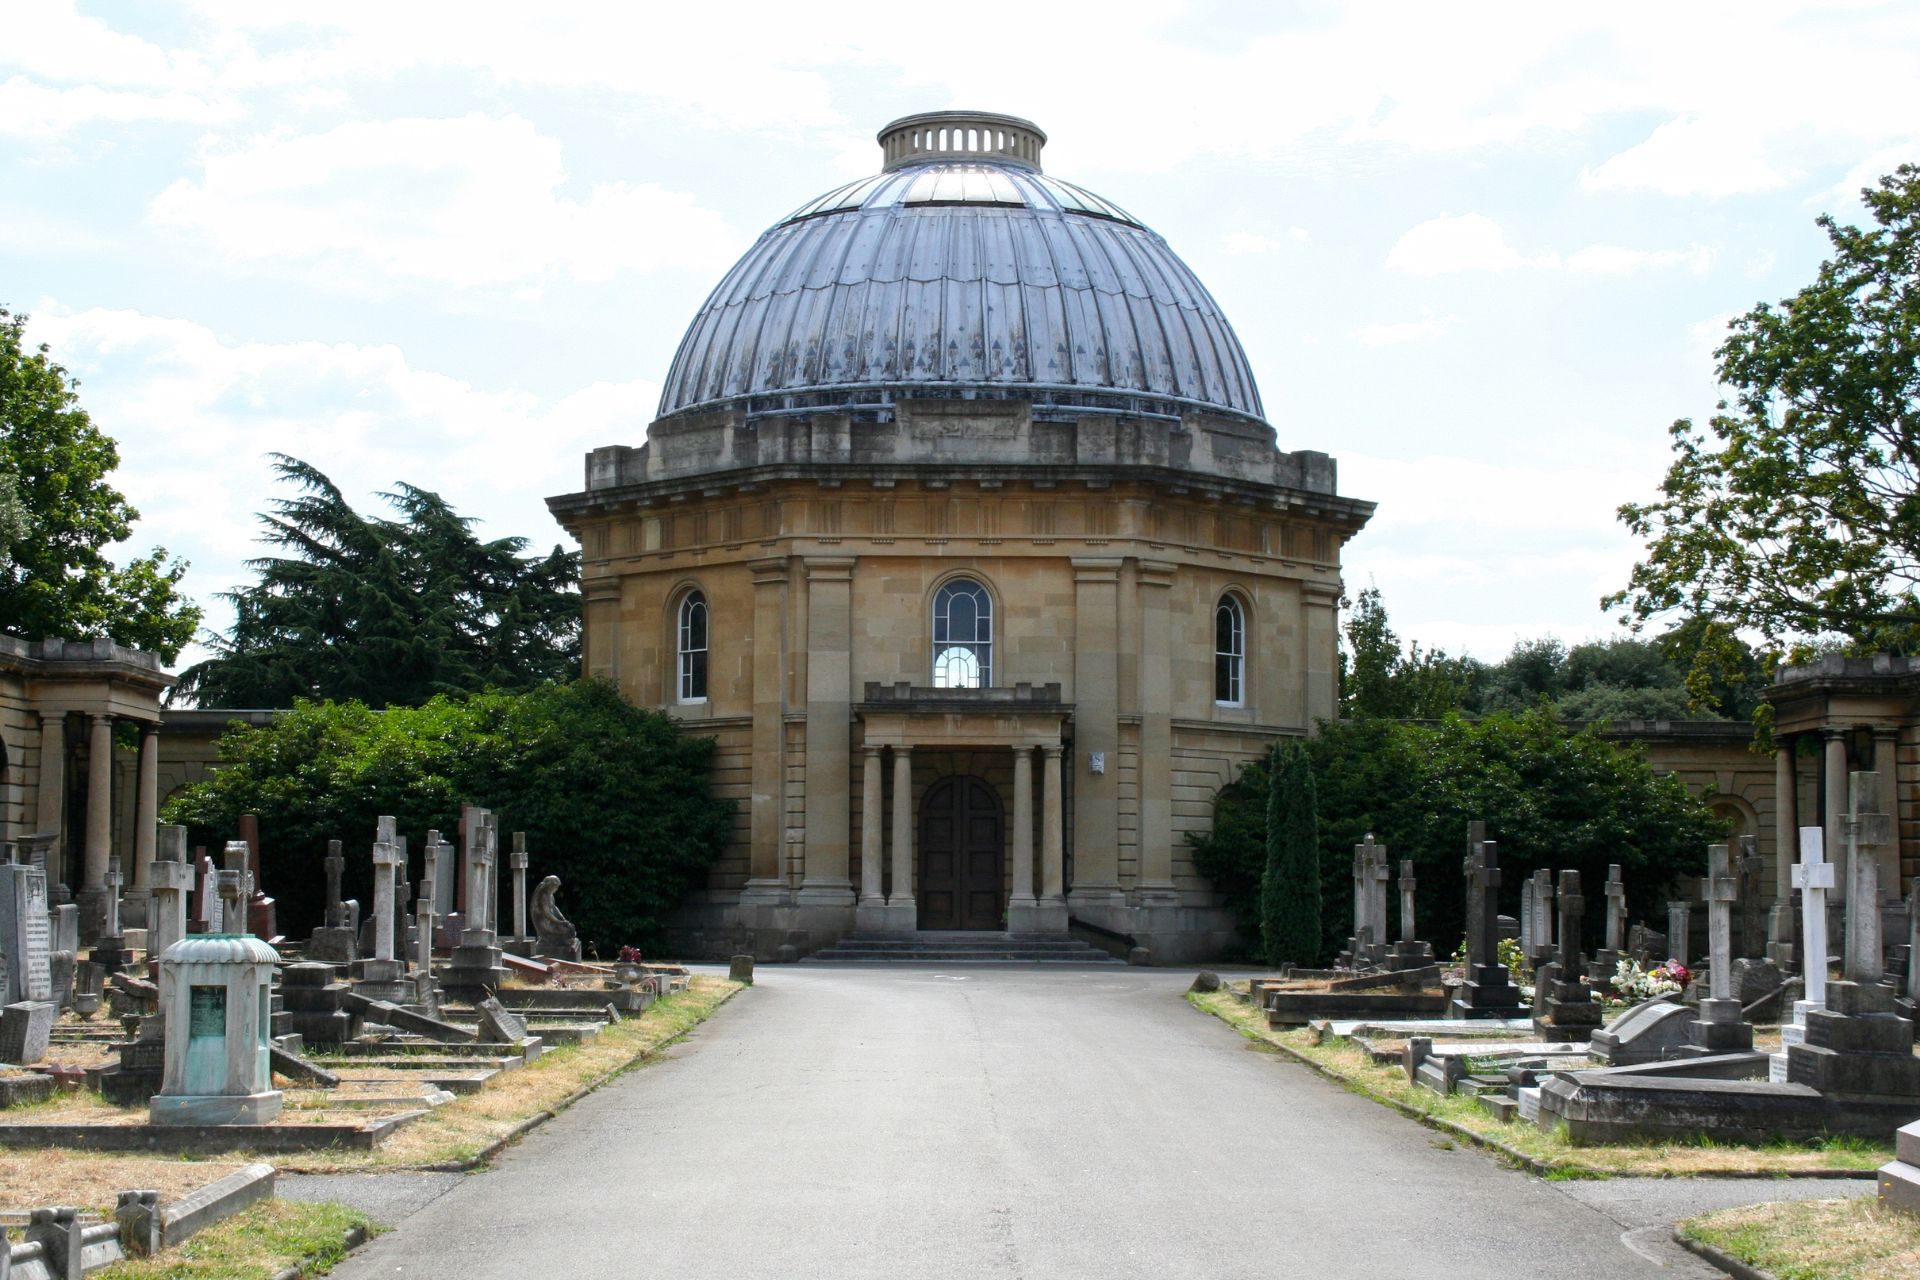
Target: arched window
1229,652
692,646
962,636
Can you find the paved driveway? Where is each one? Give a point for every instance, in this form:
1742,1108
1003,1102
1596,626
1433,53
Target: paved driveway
897,1122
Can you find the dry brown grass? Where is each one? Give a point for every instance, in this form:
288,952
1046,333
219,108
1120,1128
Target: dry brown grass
1816,1239
32,1179
1354,1068
462,1129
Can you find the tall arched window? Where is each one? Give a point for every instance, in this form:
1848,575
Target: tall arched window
1229,652
692,646
962,636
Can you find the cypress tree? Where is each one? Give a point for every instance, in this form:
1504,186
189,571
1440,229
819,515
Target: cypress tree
1290,887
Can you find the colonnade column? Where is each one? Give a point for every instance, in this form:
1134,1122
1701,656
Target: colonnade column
1020,902
1053,863
872,910
1834,810
146,825
1886,762
50,809
93,877
902,915
1786,820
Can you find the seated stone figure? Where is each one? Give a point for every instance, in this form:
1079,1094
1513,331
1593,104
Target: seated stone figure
554,936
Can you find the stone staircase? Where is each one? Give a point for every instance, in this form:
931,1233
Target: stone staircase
970,947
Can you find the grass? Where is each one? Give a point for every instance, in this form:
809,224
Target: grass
30,1178
1816,1239
1552,1153
464,1128
254,1245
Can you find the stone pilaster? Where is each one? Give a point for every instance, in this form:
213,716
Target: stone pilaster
1096,718
766,883
829,729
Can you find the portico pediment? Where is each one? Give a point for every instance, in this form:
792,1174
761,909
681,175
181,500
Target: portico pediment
919,716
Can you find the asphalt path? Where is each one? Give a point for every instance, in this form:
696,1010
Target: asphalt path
987,1122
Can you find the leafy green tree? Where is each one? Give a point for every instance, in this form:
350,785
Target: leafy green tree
56,580
615,800
1290,885
1796,514
13,517
390,612
1552,798
1379,678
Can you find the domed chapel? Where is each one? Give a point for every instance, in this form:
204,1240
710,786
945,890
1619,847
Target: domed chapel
963,533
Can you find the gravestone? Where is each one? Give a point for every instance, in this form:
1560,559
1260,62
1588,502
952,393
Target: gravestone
1813,877
1752,939
521,943
1856,1048
426,992
1566,1010
262,912
476,969
336,941
378,977
1536,899
1409,952
1653,1031
1361,939
1679,931
169,878
206,896
26,1026
1722,1027
26,935
214,998
1488,991
499,1024
110,947
64,959
1606,961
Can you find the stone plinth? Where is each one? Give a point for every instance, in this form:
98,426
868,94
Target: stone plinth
312,997
1720,1028
1900,1176
25,1028
215,998
1856,1047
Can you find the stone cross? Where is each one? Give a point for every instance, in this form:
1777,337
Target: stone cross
386,862
1747,870
1616,909
1360,935
492,895
1720,891
1813,877
1867,827
169,876
1573,905
424,905
115,879
475,826
1485,949
336,864
1679,926
517,859
1406,901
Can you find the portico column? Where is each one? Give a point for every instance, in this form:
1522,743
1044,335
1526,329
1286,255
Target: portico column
1053,869
1833,816
50,810
871,912
92,894
1020,901
901,912
146,805
1886,763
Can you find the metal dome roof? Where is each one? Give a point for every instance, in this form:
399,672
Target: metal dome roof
961,269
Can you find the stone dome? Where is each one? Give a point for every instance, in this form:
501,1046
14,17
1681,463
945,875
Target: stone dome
961,270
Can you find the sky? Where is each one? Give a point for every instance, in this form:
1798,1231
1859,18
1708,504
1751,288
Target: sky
1481,254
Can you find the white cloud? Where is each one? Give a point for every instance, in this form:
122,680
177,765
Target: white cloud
1428,327
195,416
472,201
1693,156
30,109
1468,242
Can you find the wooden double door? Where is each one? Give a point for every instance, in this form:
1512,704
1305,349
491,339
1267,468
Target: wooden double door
961,854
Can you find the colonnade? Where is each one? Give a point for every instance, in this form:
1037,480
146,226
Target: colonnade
96,842
1830,817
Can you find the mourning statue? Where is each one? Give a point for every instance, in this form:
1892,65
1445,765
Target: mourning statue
554,935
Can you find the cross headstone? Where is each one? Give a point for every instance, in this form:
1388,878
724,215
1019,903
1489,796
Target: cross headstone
206,899
517,859
169,876
236,857
1616,909
233,897
1573,906
1867,828
1362,937
1813,877
1679,929
425,903
386,860
1720,892
1407,885
1489,989
114,880
336,864
1480,919
1747,870
1377,877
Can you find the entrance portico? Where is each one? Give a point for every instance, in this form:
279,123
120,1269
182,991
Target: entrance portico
1026,720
